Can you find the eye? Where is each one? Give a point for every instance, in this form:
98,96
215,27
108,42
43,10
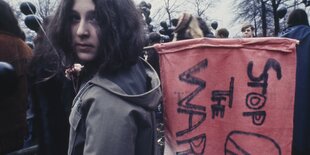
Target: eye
75,18
92,18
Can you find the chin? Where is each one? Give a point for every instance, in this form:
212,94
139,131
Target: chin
86,58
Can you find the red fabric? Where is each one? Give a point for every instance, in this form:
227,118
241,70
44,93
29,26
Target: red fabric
228,95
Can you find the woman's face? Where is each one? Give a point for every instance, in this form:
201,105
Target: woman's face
85,30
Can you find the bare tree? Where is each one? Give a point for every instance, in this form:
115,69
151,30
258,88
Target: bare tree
171,7
247,11
263,13
201,6
46,7
157,15
275,5
264,16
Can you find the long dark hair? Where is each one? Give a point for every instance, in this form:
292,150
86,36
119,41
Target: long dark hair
121,37
45,62
8,21
297,17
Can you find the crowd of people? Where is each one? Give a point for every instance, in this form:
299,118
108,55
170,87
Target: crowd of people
94,87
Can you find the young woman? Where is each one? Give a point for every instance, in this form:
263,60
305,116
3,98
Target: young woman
113,111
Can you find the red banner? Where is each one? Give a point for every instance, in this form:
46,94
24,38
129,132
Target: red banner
228,96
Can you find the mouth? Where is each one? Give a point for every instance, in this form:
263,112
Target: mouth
83,46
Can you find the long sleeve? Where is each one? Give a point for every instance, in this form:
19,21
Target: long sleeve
110,129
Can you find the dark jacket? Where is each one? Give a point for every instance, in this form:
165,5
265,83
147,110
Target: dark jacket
52,103
114,115
16,52
52,97
301,135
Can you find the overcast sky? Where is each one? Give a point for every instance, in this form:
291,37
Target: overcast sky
223,14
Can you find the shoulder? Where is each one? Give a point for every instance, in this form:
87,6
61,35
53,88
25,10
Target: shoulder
104,100
14,44
98,103
134,78
7,37
300,32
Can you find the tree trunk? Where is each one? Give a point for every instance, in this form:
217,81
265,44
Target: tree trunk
275,18
264,20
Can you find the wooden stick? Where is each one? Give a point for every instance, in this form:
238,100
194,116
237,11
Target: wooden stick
148,47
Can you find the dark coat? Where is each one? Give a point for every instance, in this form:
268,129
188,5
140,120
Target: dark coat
301,135
13,128
52,103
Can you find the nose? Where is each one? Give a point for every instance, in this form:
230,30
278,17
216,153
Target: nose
82,30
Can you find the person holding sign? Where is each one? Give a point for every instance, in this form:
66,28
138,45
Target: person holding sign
298,28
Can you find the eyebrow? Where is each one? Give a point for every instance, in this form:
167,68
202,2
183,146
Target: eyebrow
88,13
73,12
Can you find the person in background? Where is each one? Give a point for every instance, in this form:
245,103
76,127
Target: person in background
298,28
150,55
222,33
98,43
205,29
247,31
187,28
52,94
14,51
